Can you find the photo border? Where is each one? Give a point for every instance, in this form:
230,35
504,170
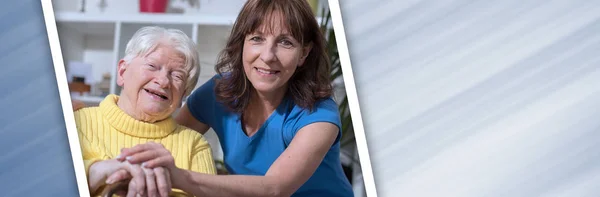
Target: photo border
348,76
65,98
359,131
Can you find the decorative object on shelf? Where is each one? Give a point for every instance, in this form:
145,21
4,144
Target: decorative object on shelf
78,86
80,71
109,6
102,5
153,6
79,76
185,6
81,6
104,85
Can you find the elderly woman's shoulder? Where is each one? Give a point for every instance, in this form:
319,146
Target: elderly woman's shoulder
86,111
87,115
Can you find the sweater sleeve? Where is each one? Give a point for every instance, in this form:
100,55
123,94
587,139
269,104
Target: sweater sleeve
90,153
202,159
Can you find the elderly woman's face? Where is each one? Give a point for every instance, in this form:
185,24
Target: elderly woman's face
271,58
153,86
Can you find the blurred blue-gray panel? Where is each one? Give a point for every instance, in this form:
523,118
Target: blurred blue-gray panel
35,159
479,98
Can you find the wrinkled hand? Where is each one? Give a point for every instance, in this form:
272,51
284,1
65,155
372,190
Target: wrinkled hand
158,180
150,154
100,171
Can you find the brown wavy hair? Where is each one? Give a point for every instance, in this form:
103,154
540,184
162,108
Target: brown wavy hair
308,84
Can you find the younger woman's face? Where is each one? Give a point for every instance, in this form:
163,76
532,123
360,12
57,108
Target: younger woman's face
270,58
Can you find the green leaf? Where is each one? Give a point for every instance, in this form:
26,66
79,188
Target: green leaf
336,72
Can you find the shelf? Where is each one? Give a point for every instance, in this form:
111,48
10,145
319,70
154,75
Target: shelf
88,99
193,19
197,19
93,29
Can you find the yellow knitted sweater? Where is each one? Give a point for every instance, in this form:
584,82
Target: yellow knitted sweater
105,129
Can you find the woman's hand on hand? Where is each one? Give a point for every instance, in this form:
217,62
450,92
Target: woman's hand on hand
150,154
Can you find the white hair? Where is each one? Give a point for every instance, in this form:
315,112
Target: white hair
146,39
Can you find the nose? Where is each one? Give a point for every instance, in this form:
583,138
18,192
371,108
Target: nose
267,53
162,79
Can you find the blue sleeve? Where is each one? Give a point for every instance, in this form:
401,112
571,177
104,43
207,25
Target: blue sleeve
202,103
325,111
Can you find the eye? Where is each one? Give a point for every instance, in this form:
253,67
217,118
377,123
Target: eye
286,43
178,76
152,66
256,39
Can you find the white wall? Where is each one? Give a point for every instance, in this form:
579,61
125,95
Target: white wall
99,52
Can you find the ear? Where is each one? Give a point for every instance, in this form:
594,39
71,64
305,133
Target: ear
305,51
120,71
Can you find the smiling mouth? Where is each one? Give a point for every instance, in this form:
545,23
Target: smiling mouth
267,72
158,94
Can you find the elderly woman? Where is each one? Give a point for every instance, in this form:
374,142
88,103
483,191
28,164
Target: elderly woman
270,106
160,68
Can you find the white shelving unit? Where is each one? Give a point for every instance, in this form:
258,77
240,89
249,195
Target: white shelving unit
100,40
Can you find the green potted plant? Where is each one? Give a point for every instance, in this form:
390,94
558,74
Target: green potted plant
348,141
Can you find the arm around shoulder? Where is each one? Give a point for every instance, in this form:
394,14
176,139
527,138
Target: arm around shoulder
185,118
290,171
304,155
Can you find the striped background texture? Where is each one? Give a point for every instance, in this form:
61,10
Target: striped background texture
479,98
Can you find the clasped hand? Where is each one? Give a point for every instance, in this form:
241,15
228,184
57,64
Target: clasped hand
143,181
